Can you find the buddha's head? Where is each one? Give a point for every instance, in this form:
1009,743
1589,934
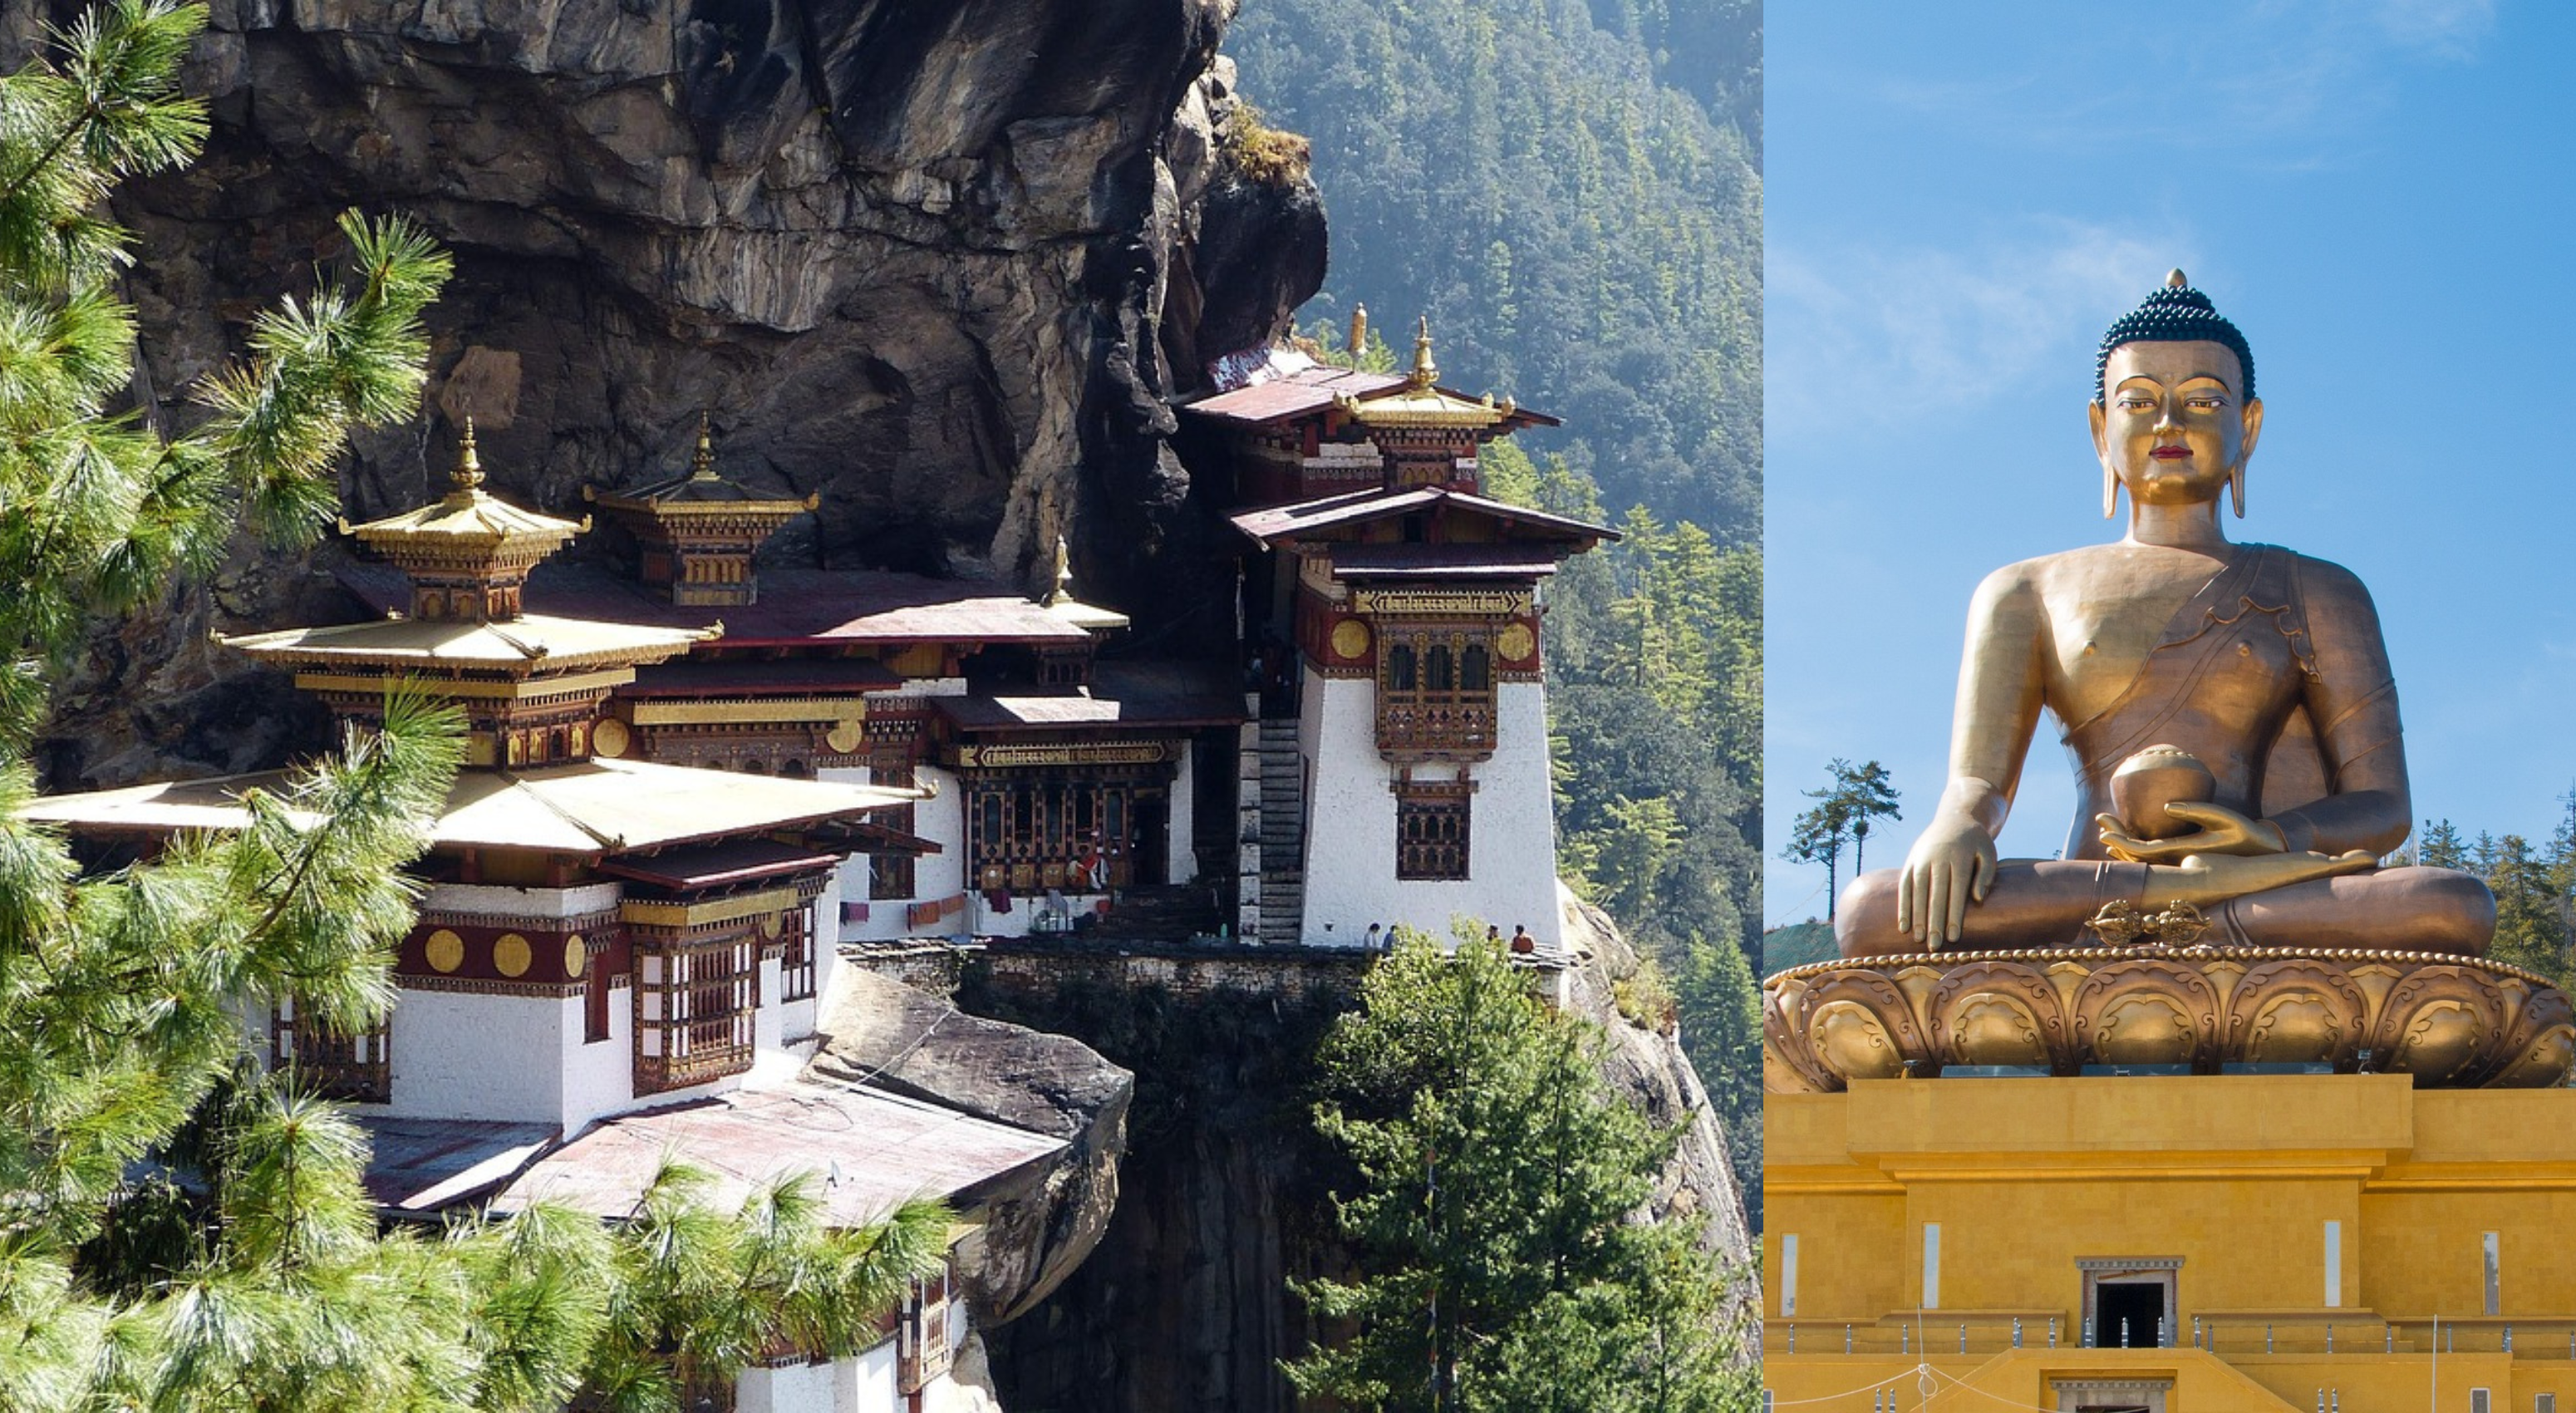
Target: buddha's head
2174,412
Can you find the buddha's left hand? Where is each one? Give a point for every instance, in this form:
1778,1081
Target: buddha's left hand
2222,831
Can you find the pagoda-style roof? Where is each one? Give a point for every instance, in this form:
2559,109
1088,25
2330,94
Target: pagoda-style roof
800,608
699,491
1326,518
469,528
1289,387
587,808
519,646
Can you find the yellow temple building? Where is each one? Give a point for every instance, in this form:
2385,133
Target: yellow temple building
2214,1242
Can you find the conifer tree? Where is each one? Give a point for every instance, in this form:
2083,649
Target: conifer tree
1502,1261
251,1274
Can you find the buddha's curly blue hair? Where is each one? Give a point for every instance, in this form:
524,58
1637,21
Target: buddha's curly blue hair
2173,314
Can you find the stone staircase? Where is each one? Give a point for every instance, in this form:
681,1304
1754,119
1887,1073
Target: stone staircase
1282,833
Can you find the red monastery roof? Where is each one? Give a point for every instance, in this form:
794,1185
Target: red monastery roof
1308,517
870,1152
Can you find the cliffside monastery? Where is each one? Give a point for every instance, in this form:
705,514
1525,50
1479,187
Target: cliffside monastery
690,786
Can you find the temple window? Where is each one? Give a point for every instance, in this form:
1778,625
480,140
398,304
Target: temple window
595,995
796,954
697,997
921,1349
1448,706
1070,831
890,875
357,1068
1431,830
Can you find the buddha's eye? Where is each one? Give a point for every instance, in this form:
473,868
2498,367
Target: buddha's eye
2207,404
2135,404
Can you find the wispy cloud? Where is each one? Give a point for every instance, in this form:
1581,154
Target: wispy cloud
2277,84
1960,325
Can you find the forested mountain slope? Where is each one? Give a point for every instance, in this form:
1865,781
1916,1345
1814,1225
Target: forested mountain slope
1565,189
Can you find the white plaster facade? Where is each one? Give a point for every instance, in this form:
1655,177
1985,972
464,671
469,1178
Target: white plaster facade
528,1059
1350,822
867,1382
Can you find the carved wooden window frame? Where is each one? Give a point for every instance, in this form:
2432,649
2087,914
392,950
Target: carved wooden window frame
893,877
696,1003
1029,832
796,954
357,1068
1435,687
1434,830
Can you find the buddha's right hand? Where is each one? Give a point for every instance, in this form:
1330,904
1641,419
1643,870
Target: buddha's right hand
2215,878
1951,865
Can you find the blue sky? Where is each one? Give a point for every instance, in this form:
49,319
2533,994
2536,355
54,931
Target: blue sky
2381,195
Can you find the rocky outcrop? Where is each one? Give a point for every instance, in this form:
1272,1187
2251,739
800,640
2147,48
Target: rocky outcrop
939,264
1226,1187
1645,1060
886,1035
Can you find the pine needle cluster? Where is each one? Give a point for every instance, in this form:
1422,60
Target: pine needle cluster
177,1229
1503,1259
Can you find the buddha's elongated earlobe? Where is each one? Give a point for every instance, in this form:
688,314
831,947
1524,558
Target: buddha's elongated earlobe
2236,489
2111,493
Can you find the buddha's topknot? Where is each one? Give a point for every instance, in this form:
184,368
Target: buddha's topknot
2175,314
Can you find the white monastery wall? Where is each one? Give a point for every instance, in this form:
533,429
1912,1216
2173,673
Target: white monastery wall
1181,861
521,902
466,1055
598,1075
940,819
1350,834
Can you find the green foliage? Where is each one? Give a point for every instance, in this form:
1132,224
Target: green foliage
1654,657
2535,888
1721,1017
1501,1263
1841,816
251,1273
1581,234
1260,153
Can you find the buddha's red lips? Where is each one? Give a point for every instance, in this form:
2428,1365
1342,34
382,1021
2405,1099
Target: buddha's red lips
2171,453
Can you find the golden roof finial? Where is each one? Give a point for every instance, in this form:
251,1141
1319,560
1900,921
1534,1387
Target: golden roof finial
1063,574
1359,333
2174,280
702,463
469,468
1425,372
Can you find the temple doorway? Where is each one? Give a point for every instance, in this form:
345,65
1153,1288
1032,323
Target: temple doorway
2129,1314
1152,848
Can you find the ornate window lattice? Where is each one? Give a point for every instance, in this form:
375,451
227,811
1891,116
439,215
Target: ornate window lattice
921,1353
697,999
890,876
1431,828
1435,690
357,1067
796,954
1051,832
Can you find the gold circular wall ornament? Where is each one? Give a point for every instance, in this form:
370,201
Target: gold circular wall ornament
1516,642
609,738
1351,638
510,955
845,736
576,955
444,950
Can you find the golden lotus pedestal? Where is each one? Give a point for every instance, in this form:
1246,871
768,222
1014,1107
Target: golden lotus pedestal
2450,1022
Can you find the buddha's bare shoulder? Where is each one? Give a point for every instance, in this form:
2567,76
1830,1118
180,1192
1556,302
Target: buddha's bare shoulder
2043,572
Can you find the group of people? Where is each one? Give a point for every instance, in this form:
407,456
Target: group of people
1381,938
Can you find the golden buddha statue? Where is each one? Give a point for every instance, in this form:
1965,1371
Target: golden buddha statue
2169,646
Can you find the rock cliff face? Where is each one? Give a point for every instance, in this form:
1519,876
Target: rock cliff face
1225,1191
939,262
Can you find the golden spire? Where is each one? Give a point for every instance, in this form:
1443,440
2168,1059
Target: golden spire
1425,372
702,463
1359,333
2174,280
1063,574
469,468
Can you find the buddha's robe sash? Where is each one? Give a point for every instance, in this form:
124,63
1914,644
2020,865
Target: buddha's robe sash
2231,680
